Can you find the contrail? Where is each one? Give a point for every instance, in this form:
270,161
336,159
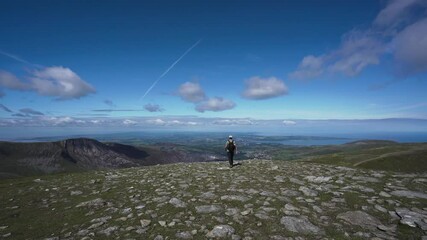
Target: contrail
169,68
19,59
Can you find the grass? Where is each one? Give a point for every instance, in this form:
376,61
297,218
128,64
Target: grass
410,158
415,161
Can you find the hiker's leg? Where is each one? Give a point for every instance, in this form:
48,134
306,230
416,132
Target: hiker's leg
230,158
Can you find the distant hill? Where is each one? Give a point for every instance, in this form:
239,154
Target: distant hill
370,143
373,154
21,159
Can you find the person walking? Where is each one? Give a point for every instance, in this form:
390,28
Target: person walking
231,148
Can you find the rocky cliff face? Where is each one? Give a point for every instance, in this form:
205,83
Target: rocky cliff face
21,159
91,154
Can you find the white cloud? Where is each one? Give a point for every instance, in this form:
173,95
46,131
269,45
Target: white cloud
358,50
174,122
399,29
263,88
53,121
10,81
233,122
395,12
62,120
310,67
157,121
58,82
191,92
129,122
289,122
215,104
153,107
410,48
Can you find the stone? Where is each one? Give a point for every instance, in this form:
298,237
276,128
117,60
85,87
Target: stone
380,208
145,223
76,193
359,218
231,211
221,231
296,181
366,179
96,225
291,193
208,195
235,237
95,203
162,223
300,225
409,194
101,219
291,207
208,208
317,209
262,215
279,179
141,230
139,207
386,228
171,224
234,198
384,194
184,235
177,203
277,237
108,231
246,212
126,211
315,179
83,232
411,218
159,237
308,192
130,228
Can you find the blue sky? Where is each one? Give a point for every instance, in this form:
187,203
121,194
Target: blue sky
88,64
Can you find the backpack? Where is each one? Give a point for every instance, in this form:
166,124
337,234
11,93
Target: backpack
230,146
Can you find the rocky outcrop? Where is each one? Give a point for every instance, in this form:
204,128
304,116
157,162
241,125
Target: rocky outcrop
211,201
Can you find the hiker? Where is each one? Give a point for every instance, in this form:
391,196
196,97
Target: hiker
231,148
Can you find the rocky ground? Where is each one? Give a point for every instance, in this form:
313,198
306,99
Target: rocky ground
257,200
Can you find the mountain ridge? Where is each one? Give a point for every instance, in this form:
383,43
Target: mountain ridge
70,155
